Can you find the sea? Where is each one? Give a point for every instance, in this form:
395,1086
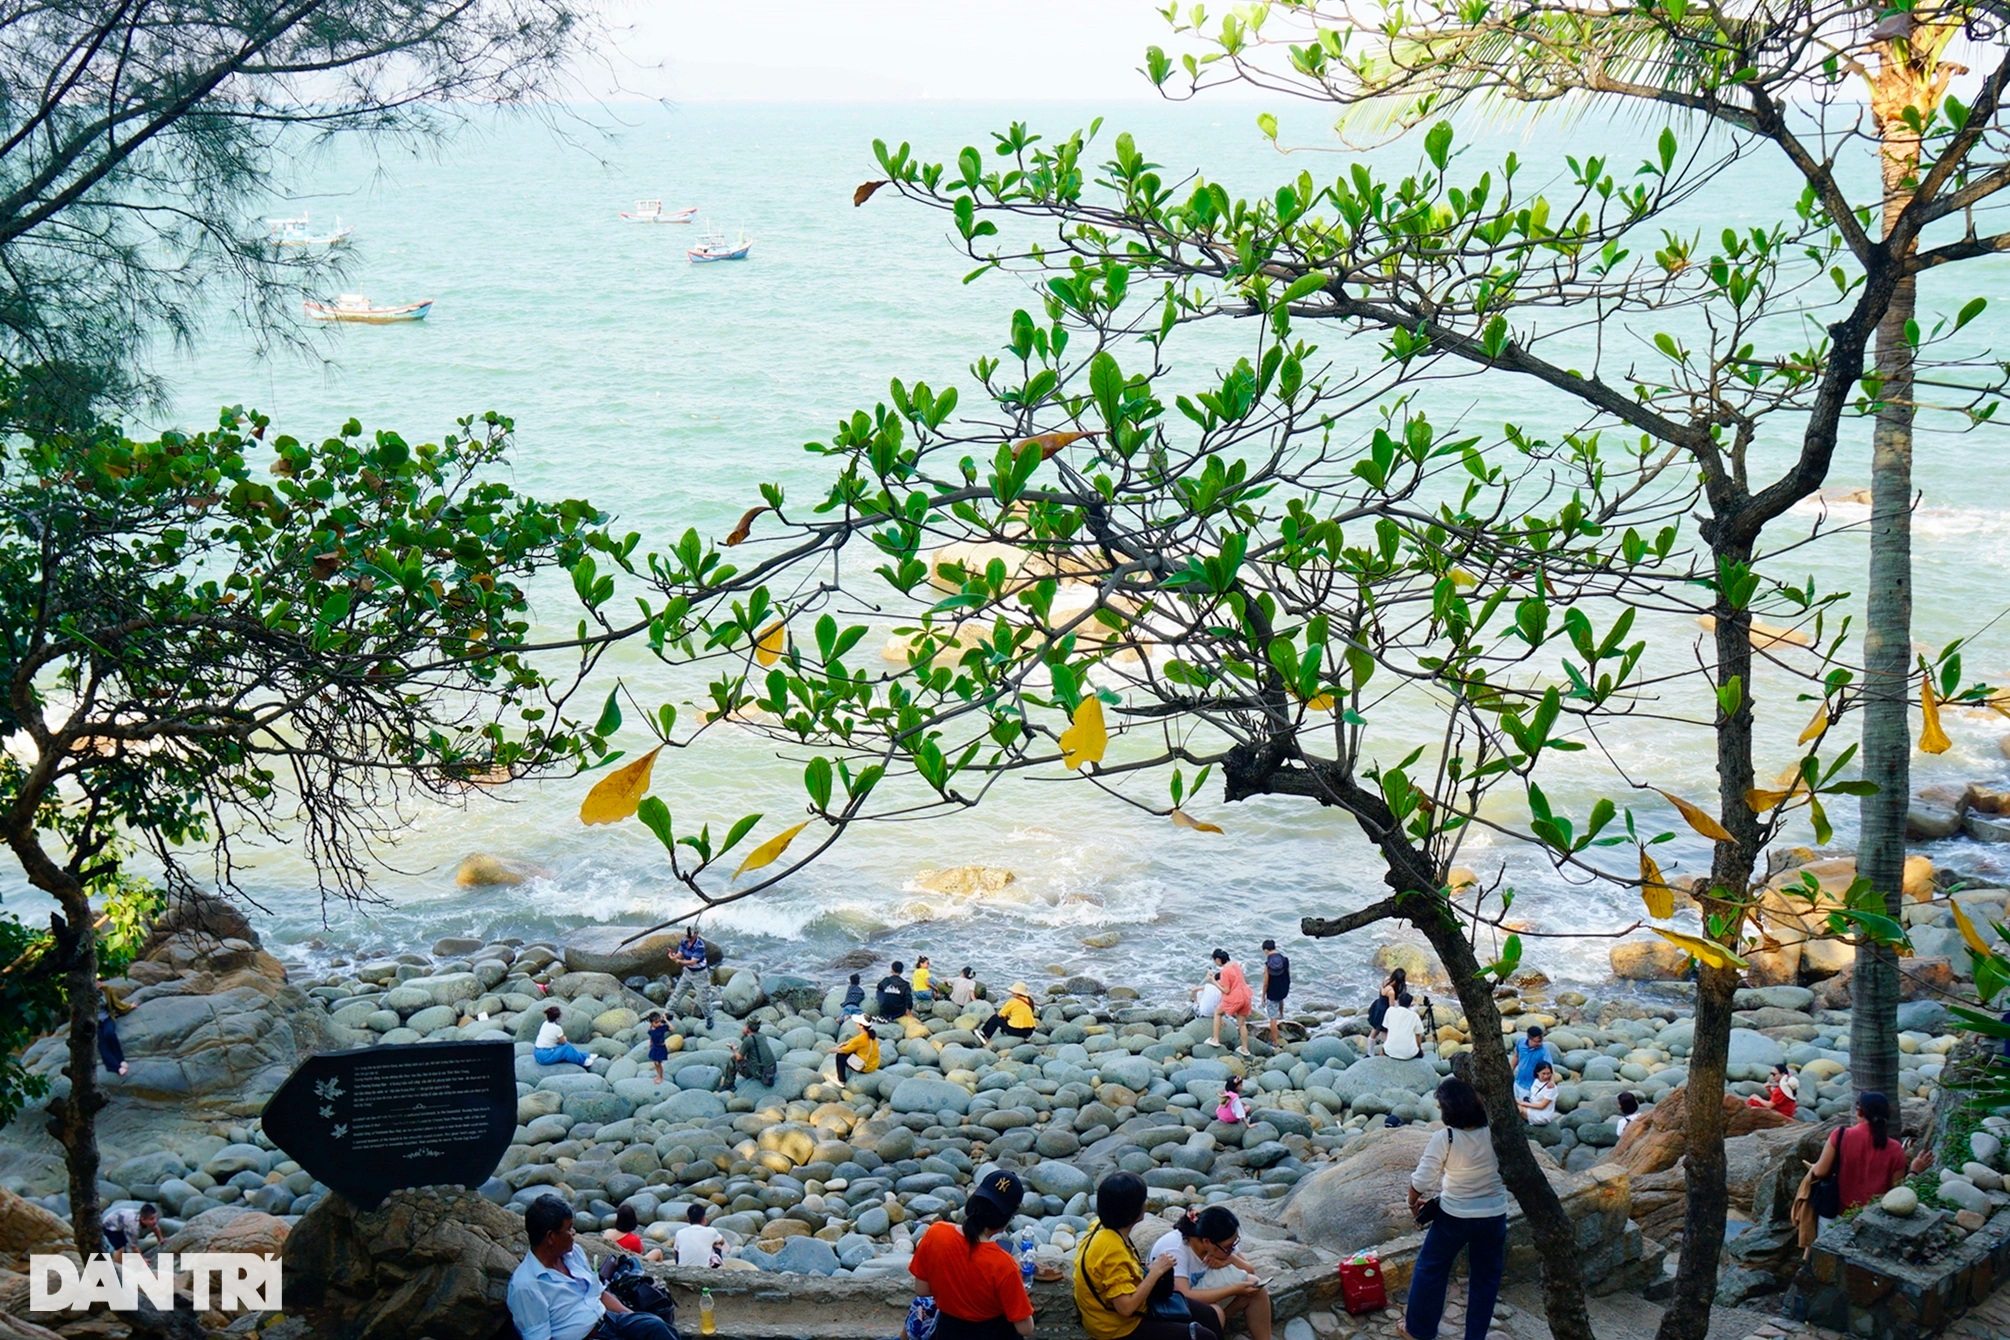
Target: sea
667,392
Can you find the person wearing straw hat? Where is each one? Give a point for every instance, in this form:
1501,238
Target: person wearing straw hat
1015,1015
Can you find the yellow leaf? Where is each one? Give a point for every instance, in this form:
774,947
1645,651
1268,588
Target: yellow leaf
768,852
1322,703
1698,818
1759,801
1816,726
769,646
1932,739
1654,890
1705,951
1085,740
1185,820
1048,443
617,795
1968,931
1460,577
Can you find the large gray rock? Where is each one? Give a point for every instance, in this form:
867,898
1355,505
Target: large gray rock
1756,1050
425,1262
1054,1178
919,1093
743,995
602,949
1362,1200
1374,1074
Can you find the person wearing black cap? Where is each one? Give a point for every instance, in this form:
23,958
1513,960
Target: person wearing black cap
978,1290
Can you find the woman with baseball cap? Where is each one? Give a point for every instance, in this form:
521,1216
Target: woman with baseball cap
979,1294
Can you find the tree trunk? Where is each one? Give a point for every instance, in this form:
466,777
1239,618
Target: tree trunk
74,1120
1887,641
1688,1313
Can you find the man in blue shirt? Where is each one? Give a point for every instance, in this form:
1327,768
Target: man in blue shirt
694,964
1530,1052
554,1294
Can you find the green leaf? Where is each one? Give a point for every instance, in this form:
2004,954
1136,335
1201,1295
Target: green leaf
656,816
1438,144
1267,123
610,715
738,831
817,781
1306,285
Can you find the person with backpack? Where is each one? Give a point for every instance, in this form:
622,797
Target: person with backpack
1276,986
978,1290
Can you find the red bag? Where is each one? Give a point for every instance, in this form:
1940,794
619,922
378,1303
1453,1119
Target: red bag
1361,1288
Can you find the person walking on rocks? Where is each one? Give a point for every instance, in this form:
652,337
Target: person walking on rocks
895,996
1394,985
554,1294
1116,1293
1403,1030
1235,998
124,1228
861,1053
659,1042
694,973
1015,1015
1530,1052
1458,1176
110,1050
1276,986
963,991
978,1290
552,1048
1201,1244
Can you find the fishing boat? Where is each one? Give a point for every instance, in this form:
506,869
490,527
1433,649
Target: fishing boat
356,307
652,211
300,233
713,246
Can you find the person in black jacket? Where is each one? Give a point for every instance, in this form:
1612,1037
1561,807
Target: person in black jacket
896,997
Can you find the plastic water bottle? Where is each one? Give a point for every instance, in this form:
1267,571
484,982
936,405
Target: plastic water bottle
1026,1256
706,1325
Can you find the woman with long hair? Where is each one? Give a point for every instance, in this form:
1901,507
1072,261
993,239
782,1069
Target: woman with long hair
1393,986
1236,1000
1460,1176
1201,1244
1873,1160
979,1292
1119,1297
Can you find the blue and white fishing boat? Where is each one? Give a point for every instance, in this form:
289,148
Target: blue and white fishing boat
300,233
713,246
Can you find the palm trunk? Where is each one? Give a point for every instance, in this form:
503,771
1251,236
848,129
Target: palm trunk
1708,1204
1887,646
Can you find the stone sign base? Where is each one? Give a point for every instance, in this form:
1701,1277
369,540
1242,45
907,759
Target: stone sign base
1886,1278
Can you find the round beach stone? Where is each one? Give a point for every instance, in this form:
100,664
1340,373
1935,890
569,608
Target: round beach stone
918,1093
1901,1201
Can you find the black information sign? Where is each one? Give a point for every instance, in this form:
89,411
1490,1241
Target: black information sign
380,1119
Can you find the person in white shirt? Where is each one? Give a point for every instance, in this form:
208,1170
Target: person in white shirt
1460,1176
1203,1242
1540,1106
699,1245
963,991
551,1047
1405,1030
1629,1112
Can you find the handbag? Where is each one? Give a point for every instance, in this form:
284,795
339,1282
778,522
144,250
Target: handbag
1826,1195
922,1314
1167,1303
1426,1212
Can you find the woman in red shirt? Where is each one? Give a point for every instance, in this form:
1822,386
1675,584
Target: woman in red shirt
1872,1161
1235,998
1781,1092
977,1287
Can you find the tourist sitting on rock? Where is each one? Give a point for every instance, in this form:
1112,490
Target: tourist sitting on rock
694,974
1117,1294
1204,1242
554,1294
1460,1177
1232,1108
923,982
861,1053
1539,1108
659,1042
699,1245
1236,1002
1402,1030
854,1000
978,1290
552,1048
895,996
1015,1015
626,1235
963,991
1394,985
1530,1052
1782,1089
752,1059
1629,1112
127,1226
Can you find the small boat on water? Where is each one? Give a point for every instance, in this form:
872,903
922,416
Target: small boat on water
356,307
300,233
652,211
713,246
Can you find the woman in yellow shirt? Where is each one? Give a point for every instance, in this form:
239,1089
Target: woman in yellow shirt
1015,1015
923,976
862,1049
1114,1290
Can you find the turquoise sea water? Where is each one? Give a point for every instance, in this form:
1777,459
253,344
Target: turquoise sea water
666,391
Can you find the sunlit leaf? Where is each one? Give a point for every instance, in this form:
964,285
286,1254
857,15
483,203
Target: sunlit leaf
1816,725
1086,739
1932,739
1048,443
1185,820
864,192
1968,931
1320,702
1460,577
617,795
769,646
1654,890
1698,818
1704,951
746,526
770,851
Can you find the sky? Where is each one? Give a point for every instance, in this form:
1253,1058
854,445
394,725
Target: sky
887,50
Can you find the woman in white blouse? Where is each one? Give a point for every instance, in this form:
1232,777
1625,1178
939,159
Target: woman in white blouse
1459,1174
1540,1106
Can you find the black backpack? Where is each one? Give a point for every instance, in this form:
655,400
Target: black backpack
624,1277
